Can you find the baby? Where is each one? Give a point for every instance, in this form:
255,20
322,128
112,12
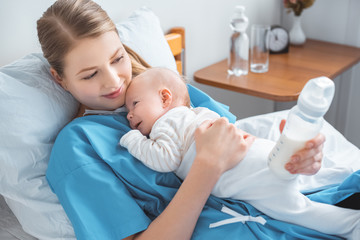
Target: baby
162,138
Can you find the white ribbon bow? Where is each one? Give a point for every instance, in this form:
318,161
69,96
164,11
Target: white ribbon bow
237,217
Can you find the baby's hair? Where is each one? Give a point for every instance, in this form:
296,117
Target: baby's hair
185,79
187,101
68,21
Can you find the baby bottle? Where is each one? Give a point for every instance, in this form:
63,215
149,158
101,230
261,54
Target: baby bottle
303,123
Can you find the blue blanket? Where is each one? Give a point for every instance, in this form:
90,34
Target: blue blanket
108,194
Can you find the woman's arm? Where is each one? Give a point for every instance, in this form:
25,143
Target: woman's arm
216,153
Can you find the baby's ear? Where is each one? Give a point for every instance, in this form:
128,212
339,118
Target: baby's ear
166,97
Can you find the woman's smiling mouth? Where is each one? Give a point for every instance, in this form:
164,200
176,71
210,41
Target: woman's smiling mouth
114,94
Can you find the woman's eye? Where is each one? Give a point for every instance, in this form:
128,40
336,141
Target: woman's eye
90,76
135,102
117,59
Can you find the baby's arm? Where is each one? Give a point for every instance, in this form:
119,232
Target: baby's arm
161,153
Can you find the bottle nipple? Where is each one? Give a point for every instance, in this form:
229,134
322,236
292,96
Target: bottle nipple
316,96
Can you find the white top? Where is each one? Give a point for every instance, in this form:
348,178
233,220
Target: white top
170,138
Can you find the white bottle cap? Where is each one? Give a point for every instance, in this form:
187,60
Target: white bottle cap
240,8
316,96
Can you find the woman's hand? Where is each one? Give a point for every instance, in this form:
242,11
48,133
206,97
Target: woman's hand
306,161
220,145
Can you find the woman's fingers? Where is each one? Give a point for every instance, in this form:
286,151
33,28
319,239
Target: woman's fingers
222,142
315,142
204,125
282,125
306,163
308,160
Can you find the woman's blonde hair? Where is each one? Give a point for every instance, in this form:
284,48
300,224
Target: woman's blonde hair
67,21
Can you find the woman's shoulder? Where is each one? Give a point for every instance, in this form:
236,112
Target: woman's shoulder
86,141
92,130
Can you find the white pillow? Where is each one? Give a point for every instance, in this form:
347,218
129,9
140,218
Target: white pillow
33,110
142,33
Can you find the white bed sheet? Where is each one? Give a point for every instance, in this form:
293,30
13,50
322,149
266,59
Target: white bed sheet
5,235
10,228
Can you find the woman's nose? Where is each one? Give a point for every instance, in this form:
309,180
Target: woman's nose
111,78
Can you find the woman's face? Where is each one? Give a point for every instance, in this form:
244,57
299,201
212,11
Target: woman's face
97,72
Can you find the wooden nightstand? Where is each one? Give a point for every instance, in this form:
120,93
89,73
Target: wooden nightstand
287,73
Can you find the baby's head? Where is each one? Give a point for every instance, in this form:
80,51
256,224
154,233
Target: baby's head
151,94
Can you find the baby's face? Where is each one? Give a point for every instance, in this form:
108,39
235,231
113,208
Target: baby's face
144,104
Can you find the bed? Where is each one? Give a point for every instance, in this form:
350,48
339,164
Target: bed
29,209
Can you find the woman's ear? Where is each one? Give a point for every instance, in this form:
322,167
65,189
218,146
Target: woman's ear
166,97
57,78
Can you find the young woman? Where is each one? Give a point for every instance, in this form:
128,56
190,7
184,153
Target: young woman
110,198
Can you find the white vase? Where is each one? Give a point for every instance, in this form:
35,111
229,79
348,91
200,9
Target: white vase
297,35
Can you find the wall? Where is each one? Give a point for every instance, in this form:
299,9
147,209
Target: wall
339,22
207,39
207,34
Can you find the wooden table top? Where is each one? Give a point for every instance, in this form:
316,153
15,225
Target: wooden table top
287,73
